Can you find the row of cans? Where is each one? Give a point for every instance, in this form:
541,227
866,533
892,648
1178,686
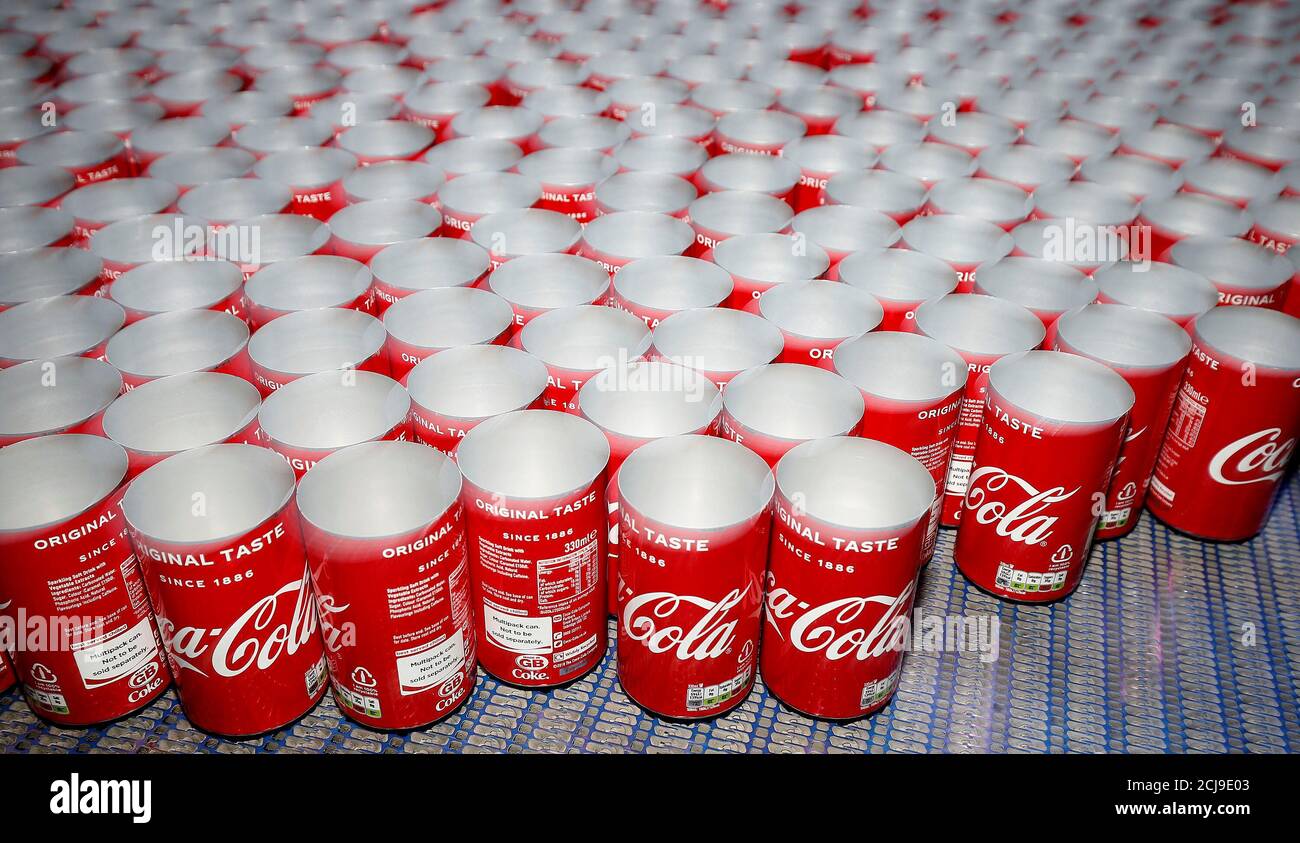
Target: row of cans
422,179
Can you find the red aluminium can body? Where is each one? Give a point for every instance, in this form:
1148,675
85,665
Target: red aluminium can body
534,496
391,576
982,330
1052,429
1150,353
842,574
912,386
694,523
218,536
1234,425
65,559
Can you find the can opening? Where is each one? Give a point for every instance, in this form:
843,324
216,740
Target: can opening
793,401
546,281
859,484
1232,262
378,489
1038,284
846,228
241,486
46,271
526,231
901,367
333,410
1162,288
880,190
673,282
181,412
386,139
59,325
1025,164
829,154
898,274
448,317
305,168
718,339
677,156
489,192
462,156
310,341
119,199
1253,334
772,258
308,282
429,263
24,228
280,237
744,171
928,161
229,200
650,399
1140,177
638,234
958,239
175,285
49,479
696,482
983,198
585,338
188,167
1060,387
980,325
1194,213
533,454
645,191
502,122
1119,335
820,309
393,180
29,405
382,222
736,212
176,342
1086,202
477,381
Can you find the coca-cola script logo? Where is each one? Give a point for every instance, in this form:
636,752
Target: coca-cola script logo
252,640
1259,457
1025,517
648,618
838,628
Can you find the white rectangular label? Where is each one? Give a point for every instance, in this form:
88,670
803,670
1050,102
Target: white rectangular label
432,666
515,633
115,656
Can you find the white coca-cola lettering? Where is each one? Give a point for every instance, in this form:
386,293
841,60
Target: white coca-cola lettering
1024,521
251,639
1259,457
829,628
708,638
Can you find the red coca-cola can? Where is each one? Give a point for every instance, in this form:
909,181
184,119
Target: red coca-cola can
89,156
58,326
659,193
928,162
148,143
34,227
1234,425
181,412
637,403
177,342
850,521
770,409
982,330
385,140
499,122
403,269
309,341
1046,288
128,243
844,229
1150,353
819,159
816,316
1173,292
1140,177
309,418
68,564
664,154
395,662
218,537
97,205
436,104
188,168
1001,203
655,288
1237,181
45,272
466,199
226,201
961,242
718,216
1053,427
899,279
720,343
462,156
308,282
536,283
34,185
430,321
534,496
281,134
165,286
912,387
61,395
768,174
362,230
1273,147
576,343
1243,272
758,262
313,174
694,524
1078,139
1182,215
568,177
454,390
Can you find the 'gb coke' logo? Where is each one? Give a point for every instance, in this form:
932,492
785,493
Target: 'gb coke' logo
1024,520
708,638
1256,458
253,639
838,628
